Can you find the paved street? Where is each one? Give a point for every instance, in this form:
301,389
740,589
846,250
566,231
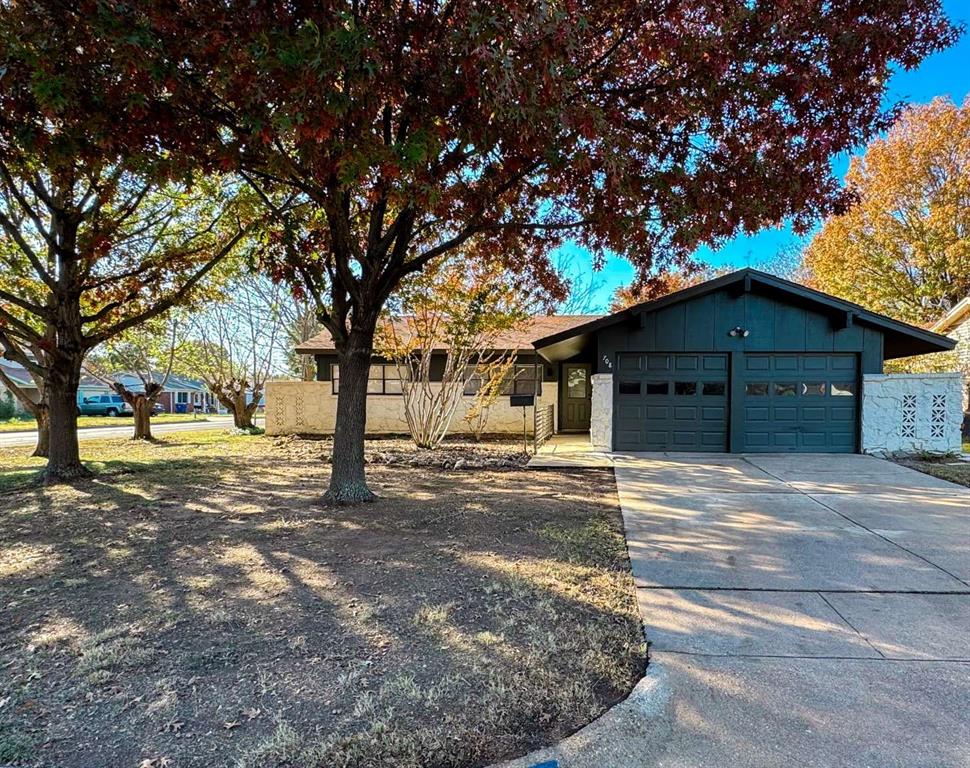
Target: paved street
809,610
122,430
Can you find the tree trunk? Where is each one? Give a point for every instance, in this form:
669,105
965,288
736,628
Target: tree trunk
348,484
242,417
41,414
141,407
64,459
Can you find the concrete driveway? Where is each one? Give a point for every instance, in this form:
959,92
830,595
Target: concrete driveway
810,610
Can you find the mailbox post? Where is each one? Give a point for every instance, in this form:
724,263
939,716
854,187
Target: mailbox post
523,402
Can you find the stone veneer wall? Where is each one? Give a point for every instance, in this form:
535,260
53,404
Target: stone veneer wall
601,412
910,413
310,408
962,335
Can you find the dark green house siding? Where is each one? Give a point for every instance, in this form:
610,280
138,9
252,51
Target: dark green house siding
703,324
774,325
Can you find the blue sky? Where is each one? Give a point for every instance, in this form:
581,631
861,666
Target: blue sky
945,74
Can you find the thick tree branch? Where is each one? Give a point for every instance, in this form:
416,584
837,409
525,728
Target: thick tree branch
174,298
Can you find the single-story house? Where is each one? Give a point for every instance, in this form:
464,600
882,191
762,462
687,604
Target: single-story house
184,395
747,362
956,325
311,407
181,394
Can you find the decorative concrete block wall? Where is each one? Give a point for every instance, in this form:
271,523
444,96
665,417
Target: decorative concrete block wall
910,413
601,412
310,408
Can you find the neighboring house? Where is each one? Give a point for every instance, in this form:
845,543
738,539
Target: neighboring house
92,387
22,379
746,362
181,394
956,325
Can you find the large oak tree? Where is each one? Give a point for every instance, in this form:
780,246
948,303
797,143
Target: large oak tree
410,128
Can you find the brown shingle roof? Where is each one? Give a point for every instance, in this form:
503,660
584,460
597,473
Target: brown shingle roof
519,338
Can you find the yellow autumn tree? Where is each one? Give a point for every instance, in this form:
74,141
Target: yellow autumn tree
903,248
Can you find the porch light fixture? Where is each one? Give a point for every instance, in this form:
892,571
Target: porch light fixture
738,331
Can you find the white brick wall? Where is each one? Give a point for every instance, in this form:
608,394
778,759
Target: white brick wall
601,412
909,413
310,408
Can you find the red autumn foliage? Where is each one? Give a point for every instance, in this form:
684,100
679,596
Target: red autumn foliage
415,128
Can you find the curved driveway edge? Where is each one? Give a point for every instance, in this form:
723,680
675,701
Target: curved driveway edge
620,737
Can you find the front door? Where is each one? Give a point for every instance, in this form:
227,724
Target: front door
576,397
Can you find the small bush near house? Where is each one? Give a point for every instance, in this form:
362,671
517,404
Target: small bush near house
8,408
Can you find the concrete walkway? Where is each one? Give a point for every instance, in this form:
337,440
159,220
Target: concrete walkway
808,610
564,451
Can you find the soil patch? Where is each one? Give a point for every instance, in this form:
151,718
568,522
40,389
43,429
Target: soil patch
202,608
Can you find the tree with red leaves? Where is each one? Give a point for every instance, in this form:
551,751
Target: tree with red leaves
410,129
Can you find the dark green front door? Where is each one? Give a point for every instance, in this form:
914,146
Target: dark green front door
671,402
576,398
800,403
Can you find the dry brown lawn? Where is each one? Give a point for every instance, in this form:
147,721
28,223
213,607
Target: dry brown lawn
196,605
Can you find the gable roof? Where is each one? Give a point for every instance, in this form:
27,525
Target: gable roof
902,339
18,374
134,384
520,338
957,316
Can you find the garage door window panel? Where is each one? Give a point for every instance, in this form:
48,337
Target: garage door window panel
843,389
685,388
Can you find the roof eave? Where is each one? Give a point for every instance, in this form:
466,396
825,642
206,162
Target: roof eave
935,342
953,318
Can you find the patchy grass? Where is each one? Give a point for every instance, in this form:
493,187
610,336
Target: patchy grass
194,454
20,423
14,746
195,605
944,468
86,422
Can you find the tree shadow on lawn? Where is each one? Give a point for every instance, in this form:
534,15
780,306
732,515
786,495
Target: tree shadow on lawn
217,612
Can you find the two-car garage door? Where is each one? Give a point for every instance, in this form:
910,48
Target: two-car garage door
789,402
